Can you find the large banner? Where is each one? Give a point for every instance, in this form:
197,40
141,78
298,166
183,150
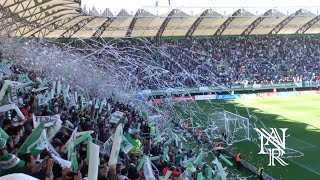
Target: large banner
235,96
205,97
229,96
183,99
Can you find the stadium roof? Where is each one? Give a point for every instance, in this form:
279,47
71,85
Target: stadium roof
67,19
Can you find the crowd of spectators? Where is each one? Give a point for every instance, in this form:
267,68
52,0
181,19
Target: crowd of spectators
227,61
43,166
187,62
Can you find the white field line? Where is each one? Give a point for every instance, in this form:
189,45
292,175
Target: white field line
311,145
303,166
306,147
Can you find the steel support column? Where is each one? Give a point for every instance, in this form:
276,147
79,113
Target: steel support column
165,23
228,22
308,25
103,27
255,23
56,25
76,27
197,22
283,23
133,22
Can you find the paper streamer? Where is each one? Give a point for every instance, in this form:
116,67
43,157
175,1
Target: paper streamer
93,161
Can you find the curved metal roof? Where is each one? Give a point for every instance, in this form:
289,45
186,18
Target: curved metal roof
64,18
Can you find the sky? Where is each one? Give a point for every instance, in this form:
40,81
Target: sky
197,6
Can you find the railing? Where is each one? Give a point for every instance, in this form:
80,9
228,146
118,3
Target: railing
207,89
251,168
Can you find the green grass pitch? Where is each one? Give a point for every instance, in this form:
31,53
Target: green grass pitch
300,114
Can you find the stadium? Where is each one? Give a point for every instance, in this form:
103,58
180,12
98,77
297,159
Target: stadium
159,89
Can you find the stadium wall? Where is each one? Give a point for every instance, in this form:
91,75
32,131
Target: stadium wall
240,89
234,96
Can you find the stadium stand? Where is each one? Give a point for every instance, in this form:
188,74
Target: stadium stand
188,62
232,61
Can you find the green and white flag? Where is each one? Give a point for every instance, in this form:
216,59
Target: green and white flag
126,145
10,163
74,162
62,162
147,170
50,148
70,143
166,177
199,159
6,106
76,96
209,173
40,89
53,89
39,144
165,154
14,89
52,124
116,116
107,146
65,93
30,141
72,100
43,84
42,100
5,69
102,104
93,161
4,88
59,86
116,145
3,134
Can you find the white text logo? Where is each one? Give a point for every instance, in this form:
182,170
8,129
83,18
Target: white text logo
273,138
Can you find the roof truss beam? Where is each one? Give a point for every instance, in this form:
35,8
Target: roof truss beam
255,23
228,22
42,8
197,22
76,27
308,25
133,22
54,26
47,21
103,27
283,23
10,5
15,20
165,23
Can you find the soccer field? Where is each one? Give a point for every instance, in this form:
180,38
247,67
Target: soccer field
300,114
